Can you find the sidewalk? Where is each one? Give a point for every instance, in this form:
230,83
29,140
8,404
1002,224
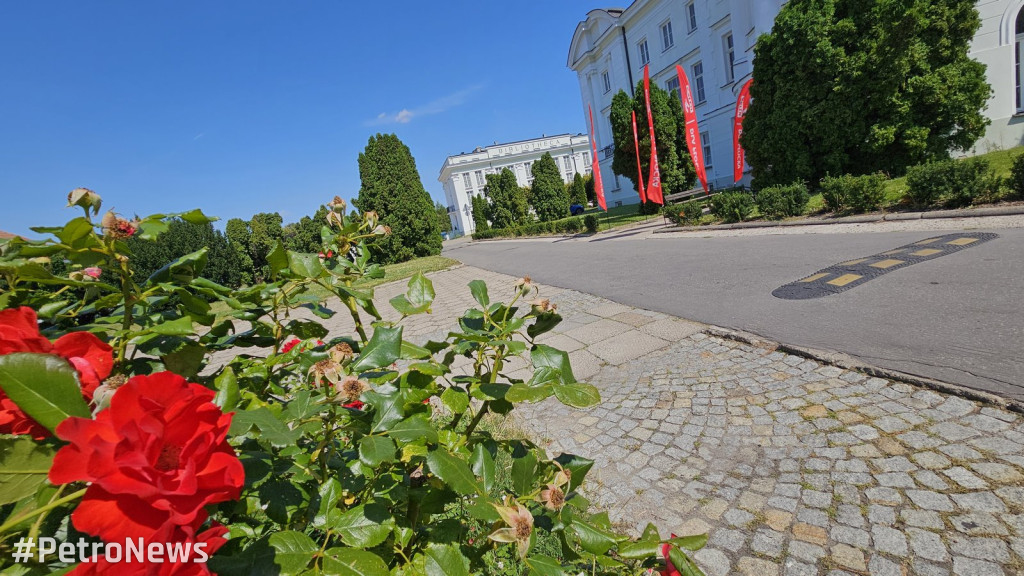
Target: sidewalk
792,467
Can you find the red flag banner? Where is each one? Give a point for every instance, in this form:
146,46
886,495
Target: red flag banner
692,130
654,184
742,105
639,170
598,187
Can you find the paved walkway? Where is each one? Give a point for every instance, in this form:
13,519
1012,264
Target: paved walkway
792,467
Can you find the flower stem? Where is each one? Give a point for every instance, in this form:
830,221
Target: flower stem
21,518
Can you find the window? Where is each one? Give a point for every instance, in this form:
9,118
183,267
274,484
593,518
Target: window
607,82
567,163
691,16
730,57
586,158
1019,48
705,140
666,35
698,82
466,183
479,178
672,86
645,54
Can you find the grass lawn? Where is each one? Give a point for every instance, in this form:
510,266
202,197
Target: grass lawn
405,270
619,216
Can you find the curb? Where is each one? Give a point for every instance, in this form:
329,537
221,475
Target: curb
848,362
865,219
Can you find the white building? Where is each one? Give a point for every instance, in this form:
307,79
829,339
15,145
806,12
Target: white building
714,42
465,175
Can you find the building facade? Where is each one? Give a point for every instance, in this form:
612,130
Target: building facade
713,40
465,175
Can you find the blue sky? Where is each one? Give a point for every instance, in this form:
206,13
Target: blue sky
243,107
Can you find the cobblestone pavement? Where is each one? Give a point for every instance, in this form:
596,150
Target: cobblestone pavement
793,467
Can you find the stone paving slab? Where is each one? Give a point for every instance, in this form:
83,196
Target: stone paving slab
793,467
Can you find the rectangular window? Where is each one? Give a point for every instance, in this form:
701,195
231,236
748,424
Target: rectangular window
479,178
698,82
586,158
672,86
666,35
466,183
607,82
705,140
691,16
645,54
730,57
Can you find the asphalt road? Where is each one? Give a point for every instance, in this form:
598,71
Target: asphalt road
958,318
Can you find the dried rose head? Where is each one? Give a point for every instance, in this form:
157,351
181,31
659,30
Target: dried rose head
85,198
519,526
326,369
553,497
350,388
341,353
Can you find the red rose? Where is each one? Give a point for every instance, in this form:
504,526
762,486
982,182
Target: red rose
355,404
182,536
289,345
90,356
155,458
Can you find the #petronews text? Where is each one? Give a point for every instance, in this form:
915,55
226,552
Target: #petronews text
137,550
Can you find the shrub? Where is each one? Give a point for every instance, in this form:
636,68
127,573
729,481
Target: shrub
948,182
572,225
591,223
732,206
856,193
1016,180
365,451
776,202
687,213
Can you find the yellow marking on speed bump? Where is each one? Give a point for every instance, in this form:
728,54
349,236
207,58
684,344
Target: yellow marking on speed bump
925,252
886,263
928,241
815,277
852,262
891,252
845,279
962,241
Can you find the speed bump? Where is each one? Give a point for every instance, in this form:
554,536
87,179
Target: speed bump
852,273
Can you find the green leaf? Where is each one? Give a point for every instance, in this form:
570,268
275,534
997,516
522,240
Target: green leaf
277,259
43,386
483,465
292,550
384,347
305,265
349,562
271,429
327,513
24,464
479,290
544,566
411,351
375,450
543,355
639,549
544,323
421,291
455,399
364,526
524,393
593,539
446,561
683,563
579,466
183,270
413,428
694,543
227,390
454,472
523,470
577,395
185,361
178,327
197,217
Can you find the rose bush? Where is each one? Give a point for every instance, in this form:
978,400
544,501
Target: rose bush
299,451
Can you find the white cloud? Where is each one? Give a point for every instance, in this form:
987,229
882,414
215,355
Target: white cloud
406,115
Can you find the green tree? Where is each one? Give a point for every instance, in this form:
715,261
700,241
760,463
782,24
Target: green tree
591,193
480,209
578,190
183,238
264,231
391,186
508,206
304,235
547,194
442,217
860,86
238,236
